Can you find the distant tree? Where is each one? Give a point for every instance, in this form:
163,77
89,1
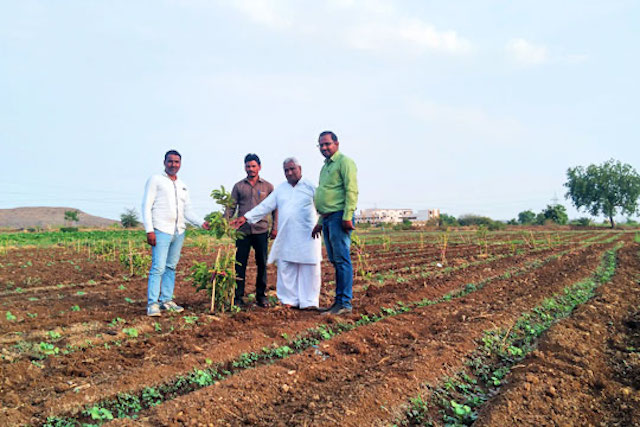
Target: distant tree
448,220
512,221
472,219
582,221
554,213
526,217
604,189
129,219
71,216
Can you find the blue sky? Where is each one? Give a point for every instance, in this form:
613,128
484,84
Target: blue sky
467,106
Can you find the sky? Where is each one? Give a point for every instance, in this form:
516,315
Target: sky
472,107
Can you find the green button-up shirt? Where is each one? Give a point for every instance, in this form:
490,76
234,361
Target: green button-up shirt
338,187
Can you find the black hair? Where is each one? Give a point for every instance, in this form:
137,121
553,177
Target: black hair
171,152
334,137
252,156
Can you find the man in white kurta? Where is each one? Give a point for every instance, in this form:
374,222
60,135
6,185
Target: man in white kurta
296,254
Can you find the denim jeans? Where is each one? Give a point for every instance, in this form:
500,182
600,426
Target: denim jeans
164,258
338,245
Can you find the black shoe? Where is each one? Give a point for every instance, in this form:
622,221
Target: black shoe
338,310
262,301
326,309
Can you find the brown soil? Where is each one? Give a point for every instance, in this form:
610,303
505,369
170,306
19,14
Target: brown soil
364,376
586,370
360,377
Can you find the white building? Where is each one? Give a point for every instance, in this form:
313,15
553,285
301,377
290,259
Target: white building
427,214
377,216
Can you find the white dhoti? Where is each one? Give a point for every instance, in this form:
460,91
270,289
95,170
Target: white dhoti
295,252
298,284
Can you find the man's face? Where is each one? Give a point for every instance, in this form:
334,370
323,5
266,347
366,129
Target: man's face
252,168
292,172
172,164
327,146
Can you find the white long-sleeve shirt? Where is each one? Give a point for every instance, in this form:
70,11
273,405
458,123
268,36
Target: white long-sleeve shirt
296,218
166,204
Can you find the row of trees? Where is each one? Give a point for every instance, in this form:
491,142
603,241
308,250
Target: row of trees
608,189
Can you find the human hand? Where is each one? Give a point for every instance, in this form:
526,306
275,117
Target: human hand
317,231
151,238
238,222
347,225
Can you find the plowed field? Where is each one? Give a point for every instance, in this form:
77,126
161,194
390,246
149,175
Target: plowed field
77,347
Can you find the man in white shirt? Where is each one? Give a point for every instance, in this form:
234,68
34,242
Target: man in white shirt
296,253
165,206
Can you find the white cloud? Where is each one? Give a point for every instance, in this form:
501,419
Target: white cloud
266,12
374,25
526,52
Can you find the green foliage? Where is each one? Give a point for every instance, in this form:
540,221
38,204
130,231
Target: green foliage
54,335
219,278
477,220
131,332
218,223
48,349
136,262
129,219
59,422
69,229
526,217
554,213
99,414
582,222
71,216
10,317
448,220
605,189
151,397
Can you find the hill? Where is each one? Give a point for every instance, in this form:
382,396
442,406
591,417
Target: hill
48,217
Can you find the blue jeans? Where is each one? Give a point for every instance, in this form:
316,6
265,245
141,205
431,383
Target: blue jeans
338,245
164,258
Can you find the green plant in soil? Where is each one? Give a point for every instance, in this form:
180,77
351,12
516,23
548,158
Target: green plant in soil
130,332
199,378
459,398
481,240
362,256
219,280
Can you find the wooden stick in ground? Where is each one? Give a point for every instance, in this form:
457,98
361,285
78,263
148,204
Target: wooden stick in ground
213,283
232,289
130,260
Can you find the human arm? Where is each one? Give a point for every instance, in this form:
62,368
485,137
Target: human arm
150,192
274,224
349,172
269,204
190,215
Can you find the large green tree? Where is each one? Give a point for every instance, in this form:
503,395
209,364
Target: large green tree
610,188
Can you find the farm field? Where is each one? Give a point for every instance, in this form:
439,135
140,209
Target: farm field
498,328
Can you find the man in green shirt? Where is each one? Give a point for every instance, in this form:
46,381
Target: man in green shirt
335,199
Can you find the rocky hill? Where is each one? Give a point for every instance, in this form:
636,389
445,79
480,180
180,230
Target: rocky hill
19,218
